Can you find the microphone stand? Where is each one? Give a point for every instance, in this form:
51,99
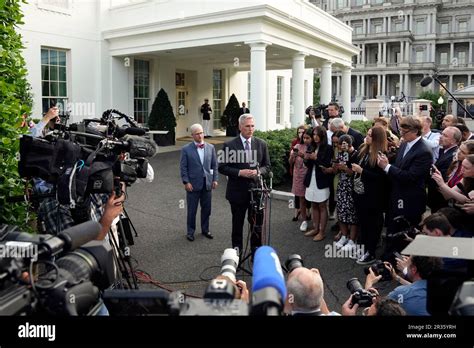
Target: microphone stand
435,77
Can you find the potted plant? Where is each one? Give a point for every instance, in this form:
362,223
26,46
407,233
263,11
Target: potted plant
162,118
231,116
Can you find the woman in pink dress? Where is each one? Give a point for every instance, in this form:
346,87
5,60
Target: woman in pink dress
299,173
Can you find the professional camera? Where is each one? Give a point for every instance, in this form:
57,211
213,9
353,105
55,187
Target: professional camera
360,296
379,269
403,228
319,111
294,261
64,274
230,262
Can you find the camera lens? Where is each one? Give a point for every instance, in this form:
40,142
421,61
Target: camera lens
294,261
230,262
354,285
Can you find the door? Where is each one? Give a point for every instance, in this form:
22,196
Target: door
181,102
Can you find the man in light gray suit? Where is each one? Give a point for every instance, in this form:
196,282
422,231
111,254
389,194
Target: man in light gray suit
198,167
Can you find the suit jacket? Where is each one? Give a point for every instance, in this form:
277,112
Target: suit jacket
244,111
323,159
445,159
407,176
193,171
358,138
238,187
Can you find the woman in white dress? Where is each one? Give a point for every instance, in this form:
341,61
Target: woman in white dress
318,160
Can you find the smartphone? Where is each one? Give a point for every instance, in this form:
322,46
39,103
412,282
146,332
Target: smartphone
398,255
432,169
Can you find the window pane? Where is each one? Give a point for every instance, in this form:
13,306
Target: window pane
53,57
62,58
54,89
44,56
44,72
62,73
45,89
62,89
53,73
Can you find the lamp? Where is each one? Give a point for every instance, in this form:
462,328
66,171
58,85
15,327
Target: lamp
428,79
440,100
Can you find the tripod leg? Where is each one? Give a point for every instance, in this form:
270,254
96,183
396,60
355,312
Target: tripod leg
126,255
130,220
117,253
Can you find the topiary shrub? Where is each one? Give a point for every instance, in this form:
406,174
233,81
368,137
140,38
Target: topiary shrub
15,101
231,116
162,118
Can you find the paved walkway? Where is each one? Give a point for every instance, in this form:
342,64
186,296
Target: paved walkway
158,212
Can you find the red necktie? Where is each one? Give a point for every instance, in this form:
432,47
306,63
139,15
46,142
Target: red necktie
201,146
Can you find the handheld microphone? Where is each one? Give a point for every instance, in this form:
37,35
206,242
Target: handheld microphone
268,284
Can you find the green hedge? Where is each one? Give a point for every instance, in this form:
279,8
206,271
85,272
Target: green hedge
361,126
278,142
15,101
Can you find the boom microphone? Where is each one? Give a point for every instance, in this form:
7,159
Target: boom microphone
130,131
426,81
268,283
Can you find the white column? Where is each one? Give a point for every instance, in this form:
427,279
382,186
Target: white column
379,55
428,24
346,93
258,88
407,52
384,53
410,24
402,56
326,88
338,86
389,25
400,83
297,115
384,92
364,26
433,23
378,87
405,23
469,81
363,54
406,85
384,25
450,86
362,85
452,53
368,25
433,52
358,85
469,59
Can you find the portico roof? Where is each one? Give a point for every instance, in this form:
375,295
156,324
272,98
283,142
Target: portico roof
220,35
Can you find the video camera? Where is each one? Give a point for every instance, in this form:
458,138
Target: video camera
59,275
221,298
319,111
379,269
82,159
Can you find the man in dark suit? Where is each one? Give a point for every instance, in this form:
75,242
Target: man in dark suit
407,176
198,167
449,141
244,110
206,111
242,160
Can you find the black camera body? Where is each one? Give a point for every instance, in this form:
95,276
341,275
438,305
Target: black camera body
360,296
379,269
69,275
319,111
294,261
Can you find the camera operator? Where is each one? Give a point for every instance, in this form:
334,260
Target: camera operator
241,292
333,112
381,307
315,118
306,293
412,297
47,123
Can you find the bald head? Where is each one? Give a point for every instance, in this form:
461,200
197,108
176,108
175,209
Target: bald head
305,289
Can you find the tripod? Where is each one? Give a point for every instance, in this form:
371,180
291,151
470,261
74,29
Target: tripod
258,227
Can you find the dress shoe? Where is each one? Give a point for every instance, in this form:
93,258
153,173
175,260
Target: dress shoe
190,238
208,235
